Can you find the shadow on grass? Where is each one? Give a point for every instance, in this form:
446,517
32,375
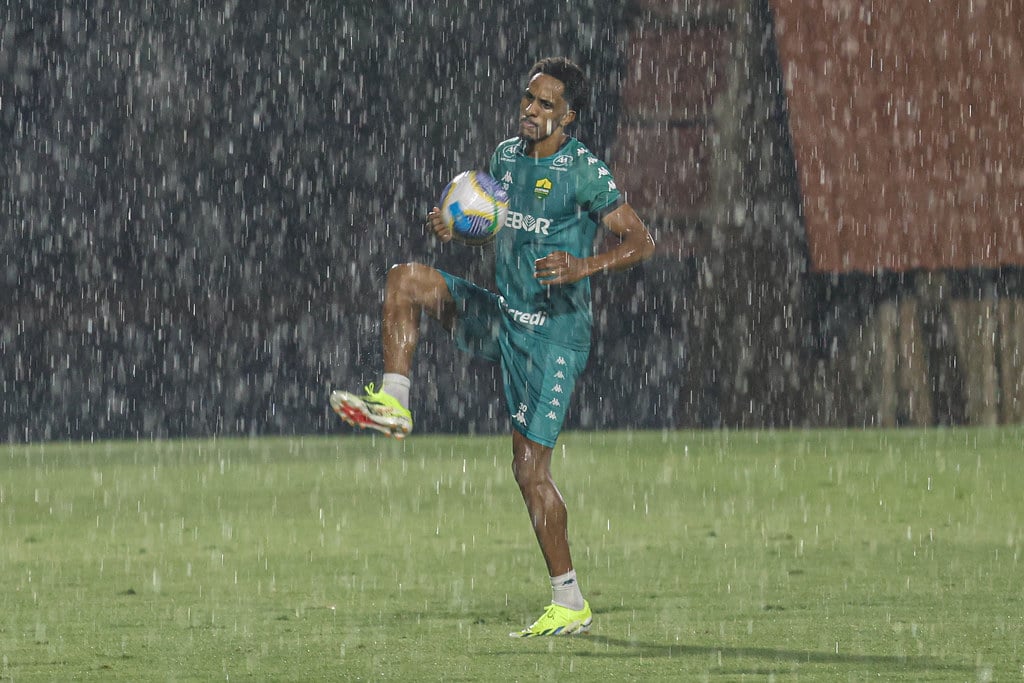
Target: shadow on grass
634,648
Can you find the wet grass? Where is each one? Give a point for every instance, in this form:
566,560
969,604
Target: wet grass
831,555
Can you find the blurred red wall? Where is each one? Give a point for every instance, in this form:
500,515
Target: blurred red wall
908,129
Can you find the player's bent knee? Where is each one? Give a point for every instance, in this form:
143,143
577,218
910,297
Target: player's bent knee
401,273
417,285
411,278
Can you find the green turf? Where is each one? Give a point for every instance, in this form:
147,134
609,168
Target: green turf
832,555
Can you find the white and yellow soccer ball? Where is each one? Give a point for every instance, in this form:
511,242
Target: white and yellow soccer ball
474,205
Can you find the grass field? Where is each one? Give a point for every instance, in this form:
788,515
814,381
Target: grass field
732,556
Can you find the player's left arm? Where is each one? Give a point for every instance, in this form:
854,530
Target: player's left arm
635,245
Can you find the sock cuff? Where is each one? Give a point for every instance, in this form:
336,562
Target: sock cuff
398,386
566,579
394,379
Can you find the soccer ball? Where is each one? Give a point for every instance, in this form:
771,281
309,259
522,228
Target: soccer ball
474,206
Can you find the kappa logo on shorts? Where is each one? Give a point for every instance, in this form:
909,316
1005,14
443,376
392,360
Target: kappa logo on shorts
520,415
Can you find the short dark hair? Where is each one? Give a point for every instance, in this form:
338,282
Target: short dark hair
577,88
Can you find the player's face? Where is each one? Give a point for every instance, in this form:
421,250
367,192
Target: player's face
543,112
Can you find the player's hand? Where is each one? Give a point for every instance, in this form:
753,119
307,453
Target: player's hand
435,224
559,268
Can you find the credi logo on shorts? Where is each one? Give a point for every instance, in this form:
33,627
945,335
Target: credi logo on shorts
524,221
536,319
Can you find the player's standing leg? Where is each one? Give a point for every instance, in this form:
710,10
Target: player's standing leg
412,289
568,612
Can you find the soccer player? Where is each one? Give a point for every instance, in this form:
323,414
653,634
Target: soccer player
538,323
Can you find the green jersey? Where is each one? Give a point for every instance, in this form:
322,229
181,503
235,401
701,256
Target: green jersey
555,204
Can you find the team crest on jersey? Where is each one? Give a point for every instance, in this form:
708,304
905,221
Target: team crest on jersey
542,188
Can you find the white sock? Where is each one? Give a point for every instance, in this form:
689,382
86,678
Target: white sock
565,591
398,386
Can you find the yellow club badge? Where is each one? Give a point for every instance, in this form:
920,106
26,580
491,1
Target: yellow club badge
542,188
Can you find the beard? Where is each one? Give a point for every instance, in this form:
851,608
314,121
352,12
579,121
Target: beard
531,132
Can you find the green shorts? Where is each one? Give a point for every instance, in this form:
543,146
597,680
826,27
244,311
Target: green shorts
538,376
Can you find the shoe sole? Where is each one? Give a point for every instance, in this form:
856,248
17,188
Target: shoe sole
352,410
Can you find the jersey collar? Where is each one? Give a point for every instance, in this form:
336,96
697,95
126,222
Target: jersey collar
521,147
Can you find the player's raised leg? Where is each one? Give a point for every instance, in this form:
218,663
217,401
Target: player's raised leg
412,289
568,612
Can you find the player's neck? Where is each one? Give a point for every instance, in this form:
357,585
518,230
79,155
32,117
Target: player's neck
538,149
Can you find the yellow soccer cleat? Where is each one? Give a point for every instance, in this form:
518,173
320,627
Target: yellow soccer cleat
374,410
559,621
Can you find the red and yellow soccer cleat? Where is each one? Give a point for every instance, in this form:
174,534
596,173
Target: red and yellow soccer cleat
374,410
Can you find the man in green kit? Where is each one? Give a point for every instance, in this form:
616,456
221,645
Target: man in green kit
538,323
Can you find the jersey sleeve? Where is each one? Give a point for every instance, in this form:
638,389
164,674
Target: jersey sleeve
493,165
596,190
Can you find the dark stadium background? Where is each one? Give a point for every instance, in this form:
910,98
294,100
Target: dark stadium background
199,203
